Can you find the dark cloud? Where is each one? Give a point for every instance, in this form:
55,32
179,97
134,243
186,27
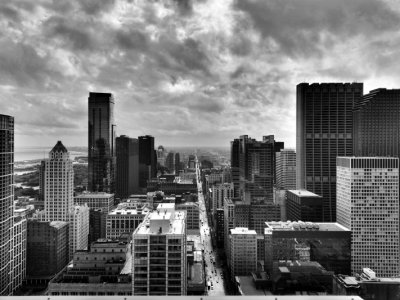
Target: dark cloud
10,13
94,7
299,26
205,104
132,40
185,6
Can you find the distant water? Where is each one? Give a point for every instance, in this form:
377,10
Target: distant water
34,153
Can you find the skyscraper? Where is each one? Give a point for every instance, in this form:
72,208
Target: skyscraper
286,169
6,201
235,166
177,163
368,205
170,162
102,160
127,182
324,130
257,168
58,184
377,124
146,160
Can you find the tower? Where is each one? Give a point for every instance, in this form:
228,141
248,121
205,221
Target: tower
127,177
101,152
324,130
146,160
6,201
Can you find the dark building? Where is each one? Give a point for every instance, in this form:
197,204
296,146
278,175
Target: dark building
102,159
219,228
97,224
377,124
235,166
127,182
170,188
192,162
303,205
41,180
147,161
324,130
170,163
327,243
47,250
177,163
257,168
6,201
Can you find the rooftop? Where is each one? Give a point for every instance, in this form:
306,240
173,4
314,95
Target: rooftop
58,224
94,195
167,223
303,226
129,211
59,147
243,230
304,193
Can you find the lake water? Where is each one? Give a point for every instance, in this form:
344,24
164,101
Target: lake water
33,153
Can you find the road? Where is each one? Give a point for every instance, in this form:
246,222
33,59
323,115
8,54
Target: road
213,270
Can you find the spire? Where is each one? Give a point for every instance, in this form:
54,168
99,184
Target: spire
59,147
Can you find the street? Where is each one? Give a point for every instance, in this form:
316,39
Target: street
213,271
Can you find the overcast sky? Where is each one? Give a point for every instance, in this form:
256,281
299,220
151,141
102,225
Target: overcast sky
195,73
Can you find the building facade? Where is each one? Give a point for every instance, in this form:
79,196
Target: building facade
302,205
79,229
99,200
243,251
324,130
192,214
147,160
286,169
18,252
101,152
160,256
368,204
6,201
219,193
127,179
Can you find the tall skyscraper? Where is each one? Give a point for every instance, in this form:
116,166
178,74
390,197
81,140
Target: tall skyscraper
101,152
146,160
286,169
324,130
235,166
58,184
127,182
368,205
257,163
377,124
6,201
177,163
170,162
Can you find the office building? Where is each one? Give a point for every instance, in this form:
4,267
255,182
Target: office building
47,250
97,224
103,270
302,205
170,163
235,166
146,160
6,201
18,251
58,185
101,152
219,193
192,214
368,205
161,155
376,124
257,163
160,256
99,200
192,162
324,130
219,227
327,243
286,169
243,251
125,220
127,182
79,229
177,163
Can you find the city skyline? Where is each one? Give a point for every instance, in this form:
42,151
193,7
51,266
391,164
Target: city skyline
187,73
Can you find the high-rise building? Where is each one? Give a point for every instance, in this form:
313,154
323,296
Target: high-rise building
47,250
177,163
324,130
303,205
368,205
146,160
101,152
96,200
235,166
6,201
377,125
243,251
97,224
160,258
170,163
58,184
219,193
161,155
127,182
18,251
286,169
257,168
79,229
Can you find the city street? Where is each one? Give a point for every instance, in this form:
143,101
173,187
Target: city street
213,271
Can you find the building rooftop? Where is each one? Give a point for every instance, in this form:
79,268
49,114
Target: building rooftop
94,195
163,223
58,224
129,211
59,147
304,193
247,286
302,226
243,230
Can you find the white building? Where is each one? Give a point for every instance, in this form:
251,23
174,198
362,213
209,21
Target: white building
219,193
243,251
368,205
79,229
160,259
58,184
286,169
96,200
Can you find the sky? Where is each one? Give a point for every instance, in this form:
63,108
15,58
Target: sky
190,73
